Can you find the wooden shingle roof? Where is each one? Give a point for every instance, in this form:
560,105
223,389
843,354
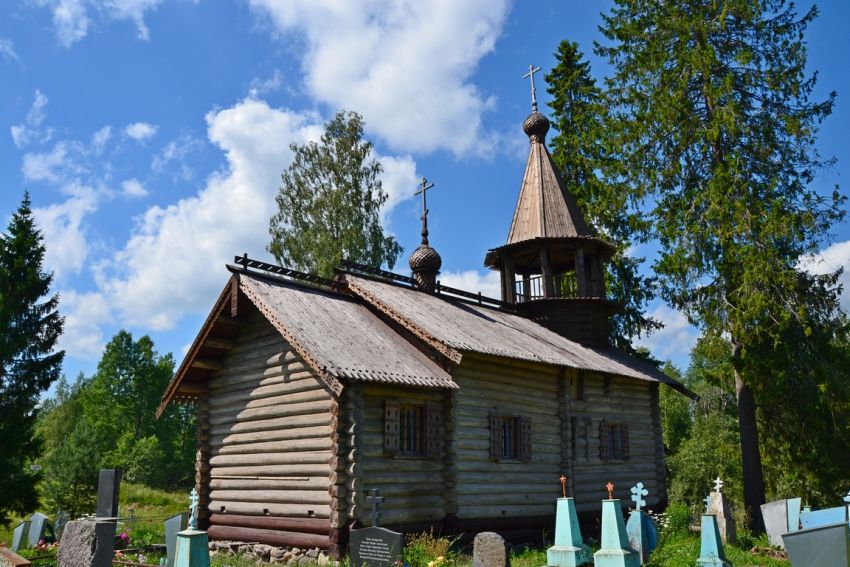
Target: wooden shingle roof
454,327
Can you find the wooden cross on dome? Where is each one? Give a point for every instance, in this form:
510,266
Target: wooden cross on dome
423,191
530,75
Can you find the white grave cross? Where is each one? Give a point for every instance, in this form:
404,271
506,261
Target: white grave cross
638,492
718,484
193,500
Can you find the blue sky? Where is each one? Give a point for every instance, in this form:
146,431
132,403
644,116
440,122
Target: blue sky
152,133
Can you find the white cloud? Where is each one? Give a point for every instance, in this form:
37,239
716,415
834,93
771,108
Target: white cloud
172,265
406,66
262,86
7,50
50,166
176,151
675,340
85,314
399,180
133,188
64,233
827,261
30,130
72,18
100,138
488,283
140,131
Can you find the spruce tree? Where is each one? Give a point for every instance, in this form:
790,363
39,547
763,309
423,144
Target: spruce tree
581,154
29,328
716,128
329,203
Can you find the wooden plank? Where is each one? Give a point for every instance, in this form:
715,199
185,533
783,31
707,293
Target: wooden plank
269,536
271,508
314,497
301,525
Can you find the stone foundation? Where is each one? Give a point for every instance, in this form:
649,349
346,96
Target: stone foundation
271,554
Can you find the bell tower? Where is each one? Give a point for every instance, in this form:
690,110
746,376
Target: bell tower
553,266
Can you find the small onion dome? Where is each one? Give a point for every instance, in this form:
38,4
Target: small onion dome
425,259
536,126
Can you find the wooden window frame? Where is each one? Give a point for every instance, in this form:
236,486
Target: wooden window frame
614,444
428,441
520,438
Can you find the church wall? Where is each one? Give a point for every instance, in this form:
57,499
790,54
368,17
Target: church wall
271,444
414,487
489,489
615,400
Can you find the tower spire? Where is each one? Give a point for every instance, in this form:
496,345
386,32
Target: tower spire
425,186
530,75
425,262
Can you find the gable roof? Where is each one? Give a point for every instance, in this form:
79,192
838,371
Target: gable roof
455,327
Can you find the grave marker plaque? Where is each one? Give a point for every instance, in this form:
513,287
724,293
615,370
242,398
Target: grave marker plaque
375,547
20,535
40,529
109,482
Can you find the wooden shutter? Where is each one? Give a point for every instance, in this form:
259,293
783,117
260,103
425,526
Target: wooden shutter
624,435
603,440
495,437
433,429
524,439
392,430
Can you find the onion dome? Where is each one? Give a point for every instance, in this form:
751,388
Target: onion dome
536,126
425,264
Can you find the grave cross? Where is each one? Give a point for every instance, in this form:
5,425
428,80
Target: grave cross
847,498
425,186
193,519
638,492
610,487
718,484
530,75
375,500
707,501
564,485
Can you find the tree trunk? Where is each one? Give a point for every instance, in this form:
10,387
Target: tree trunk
750,454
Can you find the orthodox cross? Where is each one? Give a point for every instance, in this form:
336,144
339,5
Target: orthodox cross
610,487
707,501
425,186
564,485
638,492
375,500
718,484
530,75
193,500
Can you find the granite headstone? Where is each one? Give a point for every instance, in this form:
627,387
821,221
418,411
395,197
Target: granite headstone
20,536
108,485
490,550
40,529
775,516
87,544
375,547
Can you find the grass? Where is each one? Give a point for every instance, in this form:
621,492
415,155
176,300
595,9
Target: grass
682,549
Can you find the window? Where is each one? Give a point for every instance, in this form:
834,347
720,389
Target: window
413,430
510,437
614,442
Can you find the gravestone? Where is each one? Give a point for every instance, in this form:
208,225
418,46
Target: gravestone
825,517
193,545
775,516
641,530
375,546
61,519
614,550
40,529
718,505
173,525
87,543
710,546
569,549
108,485
20,536
825,546
489,550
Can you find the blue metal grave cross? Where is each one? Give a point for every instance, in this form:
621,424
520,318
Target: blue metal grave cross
193,500
707,500
638,492
375,500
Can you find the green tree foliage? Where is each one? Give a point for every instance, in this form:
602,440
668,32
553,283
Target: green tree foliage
70,458
714,118
579,150
676,418
29,328
329,203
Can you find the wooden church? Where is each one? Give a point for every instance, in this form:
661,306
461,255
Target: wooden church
463,410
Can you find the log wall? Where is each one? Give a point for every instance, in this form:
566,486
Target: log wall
616,400
271,444
414,487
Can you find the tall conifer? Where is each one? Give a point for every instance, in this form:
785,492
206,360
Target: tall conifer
29,328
